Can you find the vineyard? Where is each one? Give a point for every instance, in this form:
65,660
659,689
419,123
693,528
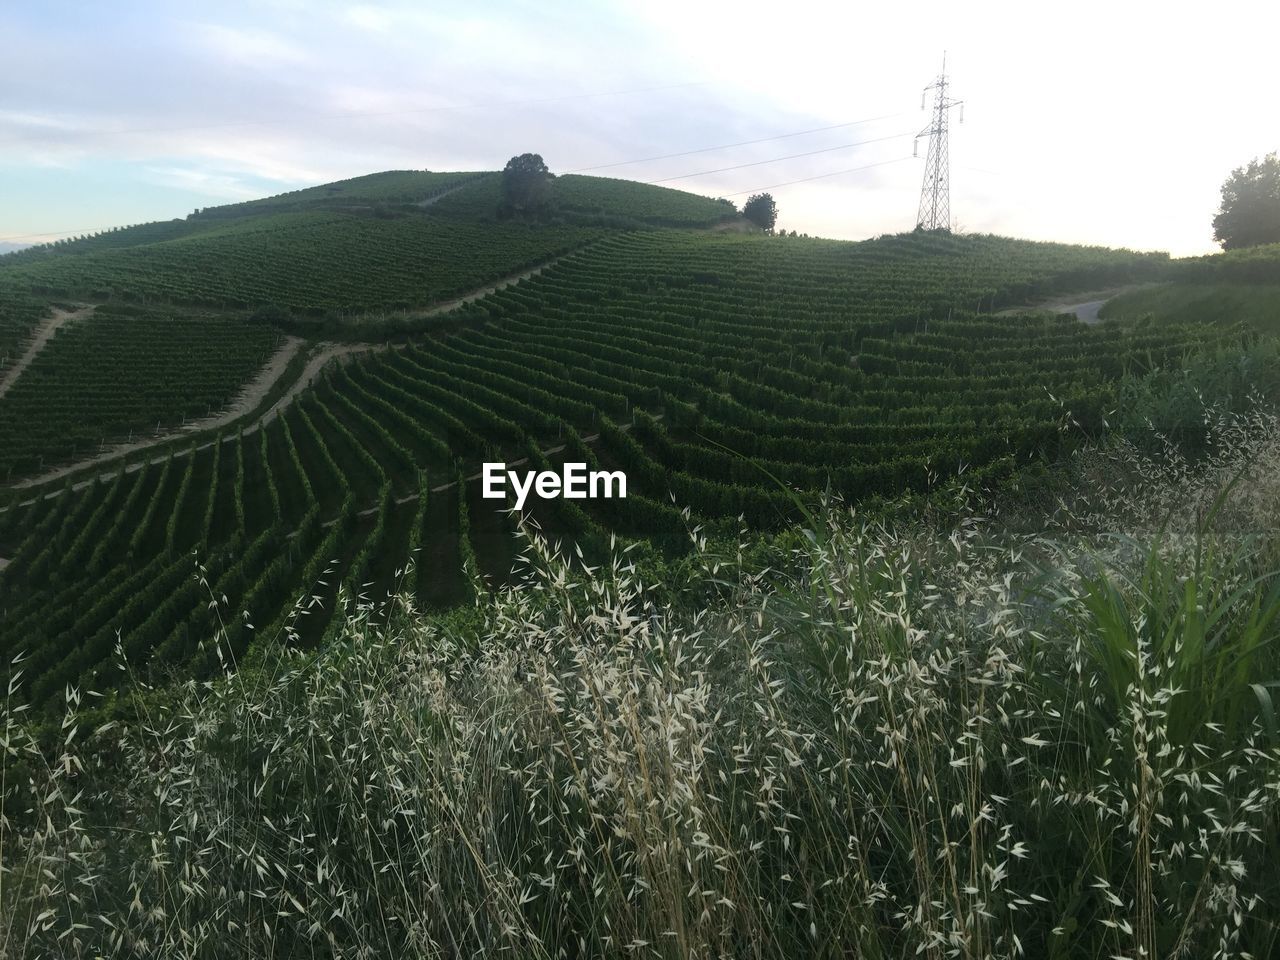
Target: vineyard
18,315
125,371
1249,264
395,239
309,262
595,199
656,205
711,367
391,187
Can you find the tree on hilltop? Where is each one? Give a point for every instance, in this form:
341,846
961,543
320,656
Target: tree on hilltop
525,183
761,210
1250,211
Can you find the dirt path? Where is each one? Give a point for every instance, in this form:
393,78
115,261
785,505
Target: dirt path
253,392
440,196
257,389
44,332
481,292
249,397
318,361
1083,306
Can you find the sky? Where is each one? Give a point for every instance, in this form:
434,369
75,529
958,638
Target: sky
1104,123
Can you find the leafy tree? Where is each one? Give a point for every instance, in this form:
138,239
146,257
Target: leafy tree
525,183
761,210
1250,211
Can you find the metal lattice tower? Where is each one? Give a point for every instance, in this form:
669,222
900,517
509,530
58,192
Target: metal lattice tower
935,192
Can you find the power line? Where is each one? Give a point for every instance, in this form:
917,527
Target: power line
740,143
821,176
792,156
46,233
700,173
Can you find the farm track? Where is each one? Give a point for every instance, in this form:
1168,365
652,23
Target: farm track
481,292
1083,306
250,396
44,332
432,201
254,392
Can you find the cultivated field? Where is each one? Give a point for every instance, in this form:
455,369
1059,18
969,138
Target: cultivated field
932,624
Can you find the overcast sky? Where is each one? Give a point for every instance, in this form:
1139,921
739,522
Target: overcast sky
1111,123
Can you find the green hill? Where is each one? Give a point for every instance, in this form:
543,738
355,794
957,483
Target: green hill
711,366
308,261
868,369
364,244
390,187
617,203
1036,556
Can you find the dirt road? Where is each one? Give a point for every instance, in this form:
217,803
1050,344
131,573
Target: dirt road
250,397
440,196
1083,306
259,387
44,332
480,293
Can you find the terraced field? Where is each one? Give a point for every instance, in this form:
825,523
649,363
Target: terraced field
696,362
390,187
618,202
127,370
309,262
19,315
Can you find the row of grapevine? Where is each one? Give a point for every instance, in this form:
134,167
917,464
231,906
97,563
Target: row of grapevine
124,373
310,262
713,370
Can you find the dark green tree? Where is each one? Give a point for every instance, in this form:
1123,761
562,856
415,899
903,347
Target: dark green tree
526,182
1250,211
761,210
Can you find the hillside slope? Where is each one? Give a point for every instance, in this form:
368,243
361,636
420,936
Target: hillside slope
864,368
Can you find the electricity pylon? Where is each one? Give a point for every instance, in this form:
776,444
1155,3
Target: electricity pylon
935,192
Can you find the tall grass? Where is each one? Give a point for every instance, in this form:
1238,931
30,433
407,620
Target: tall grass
1041,733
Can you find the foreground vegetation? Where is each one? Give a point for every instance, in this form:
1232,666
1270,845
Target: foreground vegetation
1044,728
